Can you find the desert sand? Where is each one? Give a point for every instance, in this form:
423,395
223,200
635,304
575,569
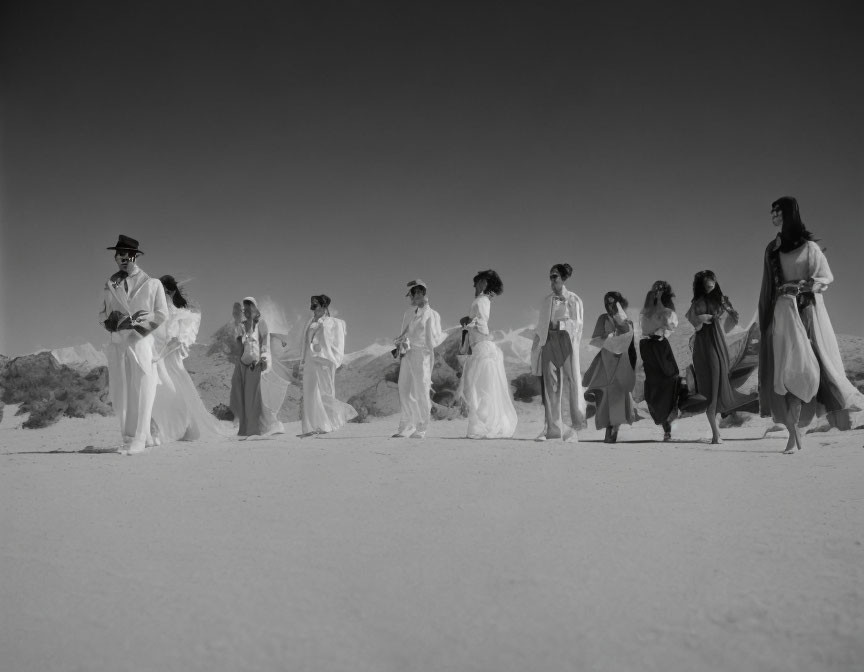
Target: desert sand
357,552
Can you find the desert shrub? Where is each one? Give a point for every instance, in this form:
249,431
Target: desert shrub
75,408
446,397
734,419
222,412
43,413
527,387
448,412
47,390
362,414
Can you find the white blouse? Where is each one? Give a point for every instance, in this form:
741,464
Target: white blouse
804,263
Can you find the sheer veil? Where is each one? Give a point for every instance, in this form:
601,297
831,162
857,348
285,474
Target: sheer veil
286,338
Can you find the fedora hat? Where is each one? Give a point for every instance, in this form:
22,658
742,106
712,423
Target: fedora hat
126,243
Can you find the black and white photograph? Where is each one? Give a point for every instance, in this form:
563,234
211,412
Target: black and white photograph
376,336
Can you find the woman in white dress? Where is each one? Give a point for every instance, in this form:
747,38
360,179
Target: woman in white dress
178,413
801,374
420,335
323,351
484,385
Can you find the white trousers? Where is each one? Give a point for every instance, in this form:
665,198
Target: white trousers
132,381
415,384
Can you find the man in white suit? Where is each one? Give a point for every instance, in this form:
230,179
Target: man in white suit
555,357
421,333
133,306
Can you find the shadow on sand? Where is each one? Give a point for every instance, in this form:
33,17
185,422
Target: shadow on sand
87,450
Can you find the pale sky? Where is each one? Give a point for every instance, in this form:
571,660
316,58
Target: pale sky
345,148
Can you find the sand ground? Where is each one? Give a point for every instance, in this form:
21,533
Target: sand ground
357,552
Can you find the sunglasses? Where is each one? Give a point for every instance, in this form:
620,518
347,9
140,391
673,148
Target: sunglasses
554,276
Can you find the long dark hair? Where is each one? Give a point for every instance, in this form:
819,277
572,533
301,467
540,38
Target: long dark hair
169,284
619,298
494,285
660,295
793,234
714,298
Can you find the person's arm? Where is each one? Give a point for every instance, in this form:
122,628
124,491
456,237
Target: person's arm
338,340
480,315
766,291
820,272
264,343
622,324
106,317
731,318
696,318
602,330
403,331
428,328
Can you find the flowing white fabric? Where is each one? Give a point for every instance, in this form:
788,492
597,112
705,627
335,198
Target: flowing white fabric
178,412
323,351
796,368
797,364
658,321
421,334
573,325
484,386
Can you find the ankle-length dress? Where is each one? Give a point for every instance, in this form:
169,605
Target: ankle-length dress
256,396
611,376
178,412
323,351
484,386
662,376
711,358
799,354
